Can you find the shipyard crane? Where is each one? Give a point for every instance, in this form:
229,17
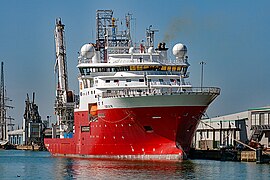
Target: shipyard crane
32,123
64,103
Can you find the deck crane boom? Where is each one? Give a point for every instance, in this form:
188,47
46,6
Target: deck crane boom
64,103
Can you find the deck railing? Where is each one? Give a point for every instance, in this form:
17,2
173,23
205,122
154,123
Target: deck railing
160,91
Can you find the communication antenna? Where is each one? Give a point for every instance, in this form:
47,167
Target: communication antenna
202,63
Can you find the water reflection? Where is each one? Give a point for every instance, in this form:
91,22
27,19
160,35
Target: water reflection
73,168
40,165
67,168
63,168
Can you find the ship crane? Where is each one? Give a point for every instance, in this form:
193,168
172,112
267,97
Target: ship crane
64,103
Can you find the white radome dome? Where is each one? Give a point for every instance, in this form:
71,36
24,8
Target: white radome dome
179,50
87,51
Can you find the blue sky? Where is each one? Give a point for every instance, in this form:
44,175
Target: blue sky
232,37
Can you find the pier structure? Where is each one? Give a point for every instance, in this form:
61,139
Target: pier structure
259,123
243,136
218,132
251,127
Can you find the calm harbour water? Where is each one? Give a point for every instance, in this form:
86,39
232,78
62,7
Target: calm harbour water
40,165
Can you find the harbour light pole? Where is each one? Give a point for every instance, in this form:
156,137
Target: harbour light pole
202,63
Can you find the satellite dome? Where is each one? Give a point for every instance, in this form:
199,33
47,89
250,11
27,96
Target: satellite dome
87,51
179,50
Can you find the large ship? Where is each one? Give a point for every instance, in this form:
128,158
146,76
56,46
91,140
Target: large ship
134,102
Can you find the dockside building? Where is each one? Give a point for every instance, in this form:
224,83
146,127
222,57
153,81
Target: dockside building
224,131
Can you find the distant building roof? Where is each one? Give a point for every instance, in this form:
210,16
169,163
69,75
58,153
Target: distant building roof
266,108
229,117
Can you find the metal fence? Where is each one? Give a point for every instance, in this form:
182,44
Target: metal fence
128,92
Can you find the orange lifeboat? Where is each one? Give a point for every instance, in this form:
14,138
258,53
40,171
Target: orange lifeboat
93,109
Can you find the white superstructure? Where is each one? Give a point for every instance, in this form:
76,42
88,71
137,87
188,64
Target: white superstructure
113,66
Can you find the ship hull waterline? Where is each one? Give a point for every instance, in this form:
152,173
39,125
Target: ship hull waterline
150,132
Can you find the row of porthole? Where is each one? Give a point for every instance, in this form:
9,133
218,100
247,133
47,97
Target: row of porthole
104,137
141,80
87,93
116,125
154,149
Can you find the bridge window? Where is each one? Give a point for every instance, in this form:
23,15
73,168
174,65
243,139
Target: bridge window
141,80
107,81
163,68
139,68
146,68
88,71
133,68
85,71
128,80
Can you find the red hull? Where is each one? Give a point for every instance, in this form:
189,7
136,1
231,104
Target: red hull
131,132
